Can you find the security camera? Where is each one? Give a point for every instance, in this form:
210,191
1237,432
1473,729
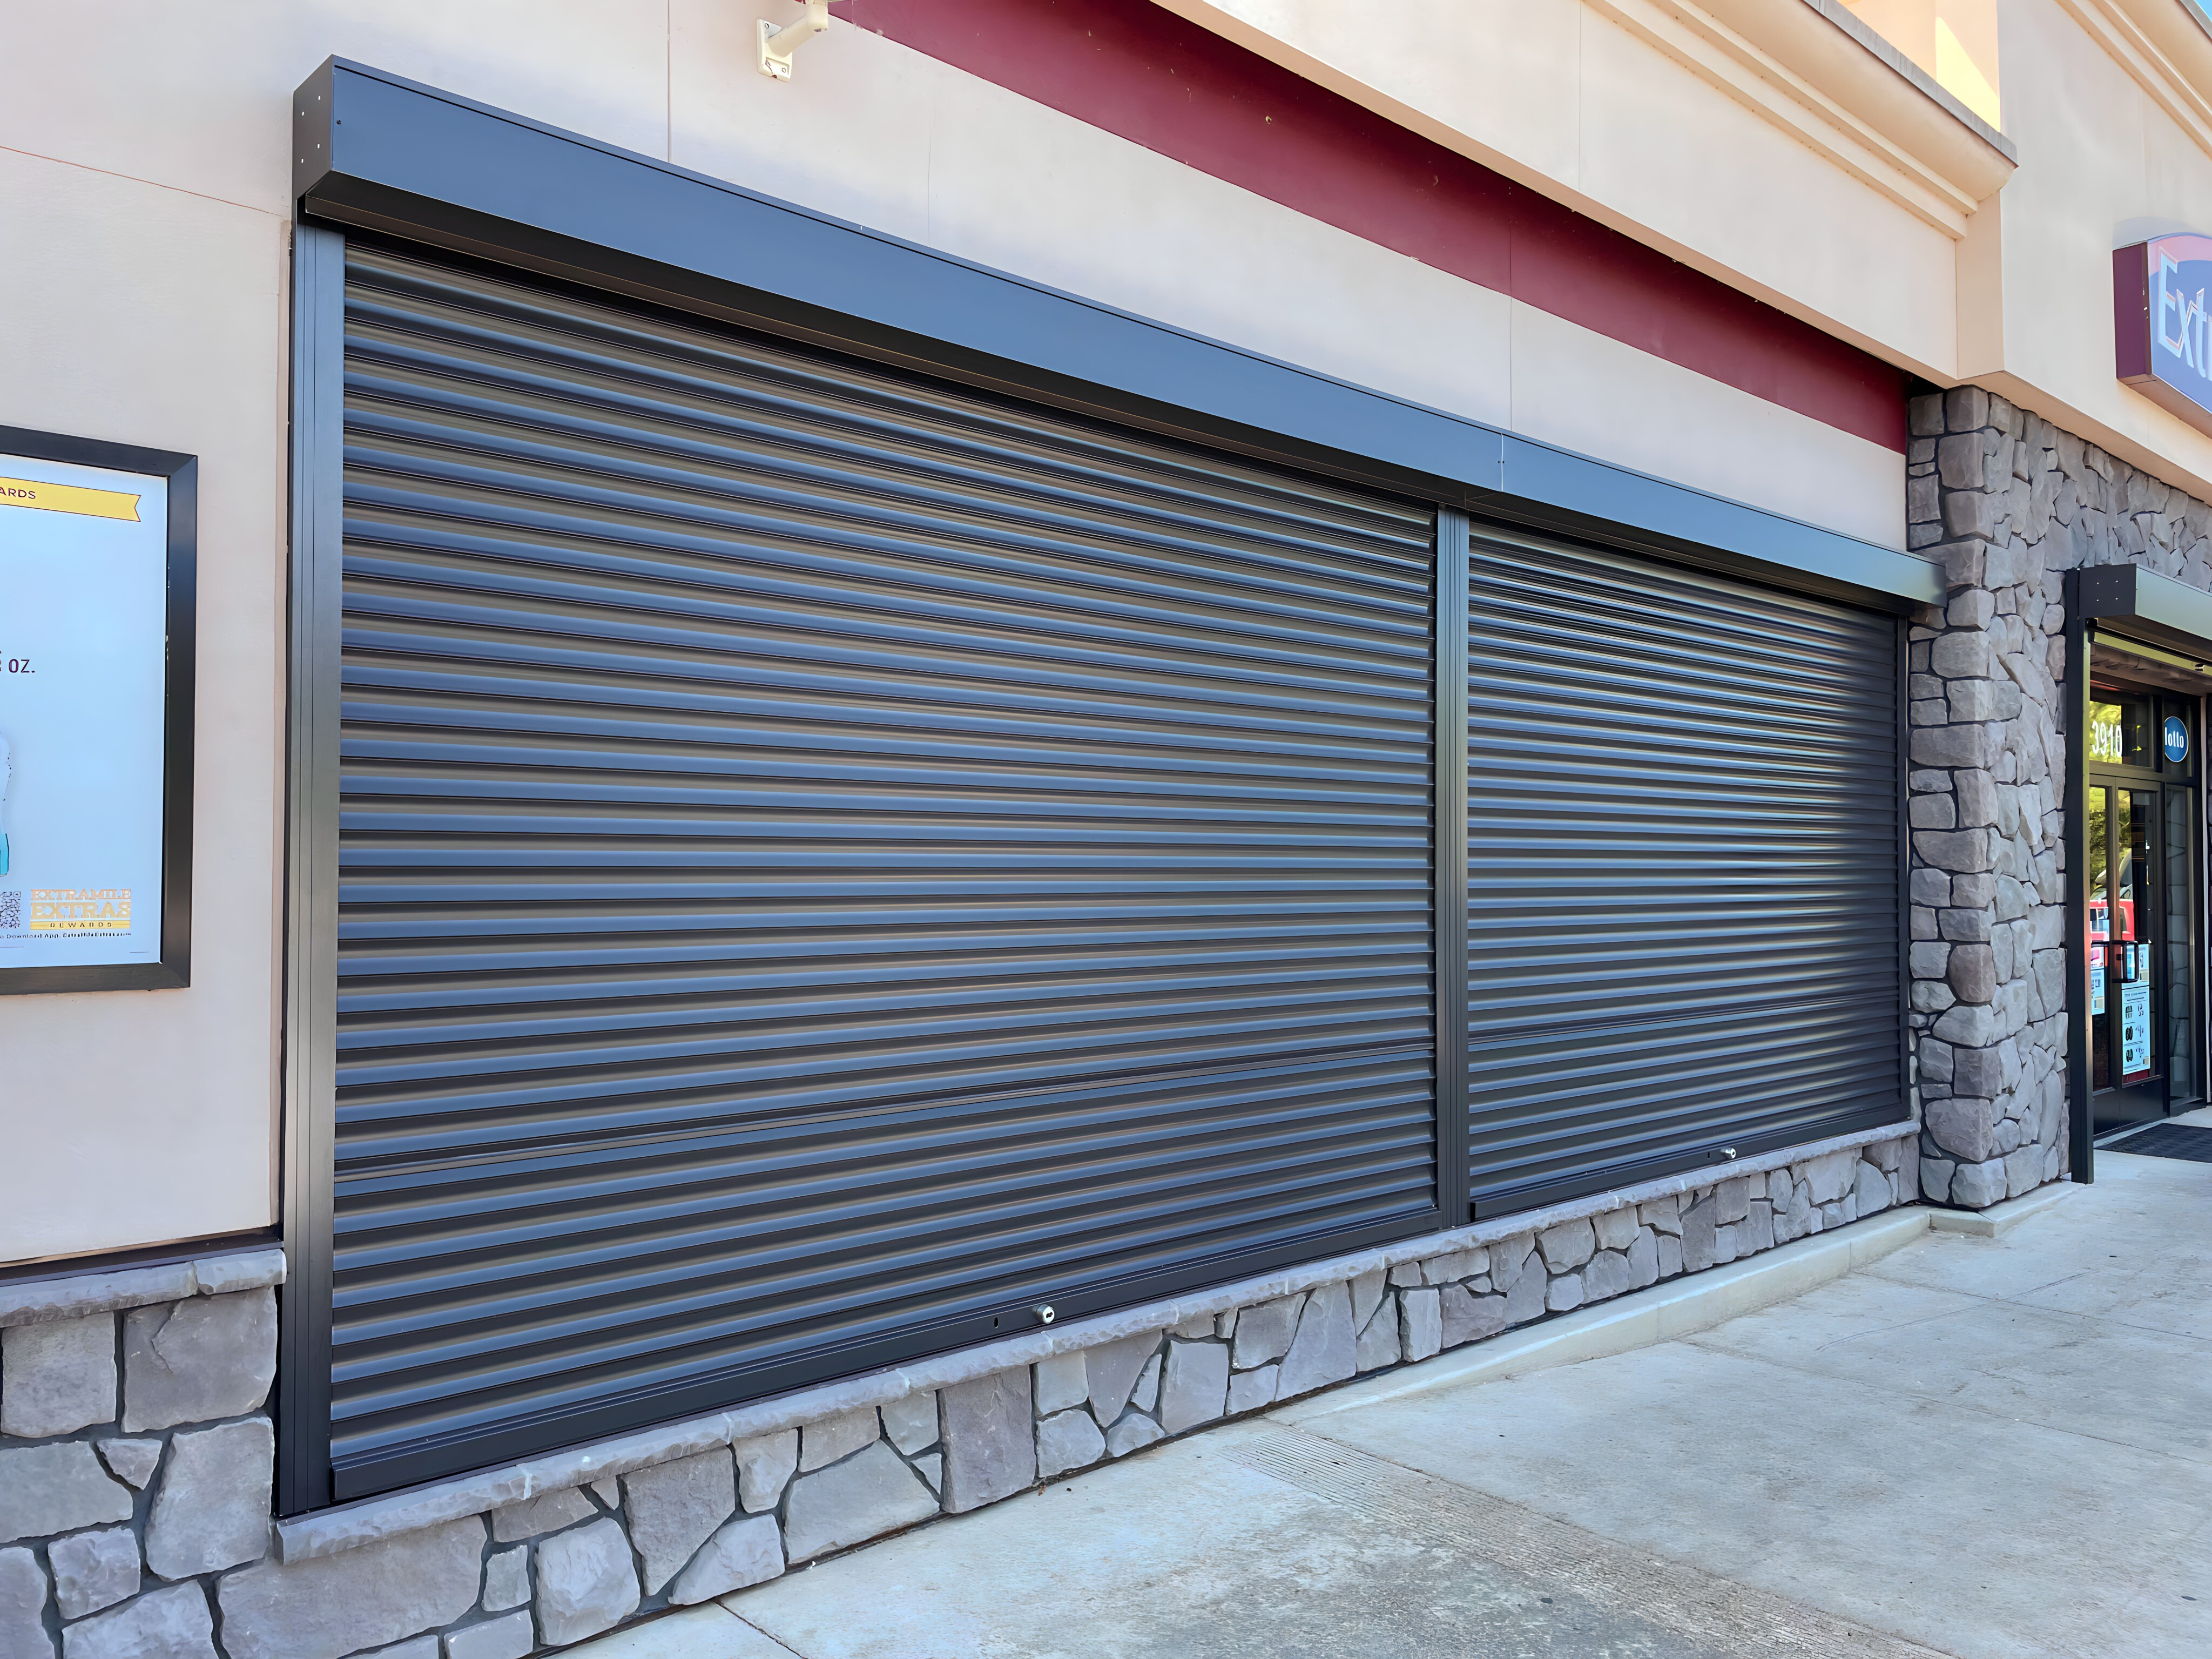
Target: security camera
777,43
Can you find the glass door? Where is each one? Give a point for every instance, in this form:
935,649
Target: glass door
2183,1068
2143,895
2124,957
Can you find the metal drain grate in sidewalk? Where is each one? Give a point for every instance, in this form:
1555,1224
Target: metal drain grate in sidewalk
2165,1140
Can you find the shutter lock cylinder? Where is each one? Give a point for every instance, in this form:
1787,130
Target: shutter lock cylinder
1044,1313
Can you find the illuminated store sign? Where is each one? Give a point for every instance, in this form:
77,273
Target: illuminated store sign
2162,323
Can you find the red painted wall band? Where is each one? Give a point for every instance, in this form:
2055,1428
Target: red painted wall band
1143,73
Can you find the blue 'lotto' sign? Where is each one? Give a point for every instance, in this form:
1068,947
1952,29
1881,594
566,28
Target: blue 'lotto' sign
2162,323
2177,738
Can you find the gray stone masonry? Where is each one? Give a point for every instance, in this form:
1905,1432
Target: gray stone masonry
870,1493
990,1439
23,1607
341,1604
822,1444
1062,1380
1066,1441
510,1638
57,1378
2008,503
1195,1387
507,1579
95,1570
745,1553
74,1295
187,1362
1325,1349
674,1508
1112,1370
57,1488
125,1542
132,1461
550,1513
212,1511
910,1424
170,1624
1146,1395
765,1465
586,1582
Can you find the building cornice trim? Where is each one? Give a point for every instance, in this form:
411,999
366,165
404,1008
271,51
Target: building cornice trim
2139,43
1943,195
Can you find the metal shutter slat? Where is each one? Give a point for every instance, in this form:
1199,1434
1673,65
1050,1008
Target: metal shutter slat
1684,869
827,860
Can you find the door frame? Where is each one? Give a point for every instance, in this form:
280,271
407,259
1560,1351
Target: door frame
2113,778
2156,621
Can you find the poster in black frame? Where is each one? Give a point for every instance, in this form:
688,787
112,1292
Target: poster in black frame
180,474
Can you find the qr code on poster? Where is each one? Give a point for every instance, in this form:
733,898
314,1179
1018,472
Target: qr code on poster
11,912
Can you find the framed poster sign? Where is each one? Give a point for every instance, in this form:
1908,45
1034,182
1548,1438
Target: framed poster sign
97,553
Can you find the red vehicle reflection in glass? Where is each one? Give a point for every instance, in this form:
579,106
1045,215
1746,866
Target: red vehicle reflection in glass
2100,919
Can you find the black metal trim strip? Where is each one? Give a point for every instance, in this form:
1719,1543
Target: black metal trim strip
1908,1067
309,1065
178,722
2200,947
2081,1149
377,151
1452,1180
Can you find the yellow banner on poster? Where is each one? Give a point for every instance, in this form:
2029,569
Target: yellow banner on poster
80,909
68,498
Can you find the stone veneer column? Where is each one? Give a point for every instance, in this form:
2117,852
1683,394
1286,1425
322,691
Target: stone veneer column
1986,807
2009,503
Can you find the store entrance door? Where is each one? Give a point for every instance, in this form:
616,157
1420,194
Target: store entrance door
2141,854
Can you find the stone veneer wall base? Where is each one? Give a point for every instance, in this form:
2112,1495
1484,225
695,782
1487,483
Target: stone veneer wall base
329,1532
1658,1314
136,1449
2000,1218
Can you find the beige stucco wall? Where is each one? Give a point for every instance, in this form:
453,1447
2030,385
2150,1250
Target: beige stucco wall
151,316
144,180
1566,97
1690,150
2102,166
996,178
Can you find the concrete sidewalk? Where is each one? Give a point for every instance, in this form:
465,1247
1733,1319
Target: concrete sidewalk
1973,1447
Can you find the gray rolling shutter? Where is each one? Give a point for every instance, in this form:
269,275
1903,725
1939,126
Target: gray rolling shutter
830,859
1684,870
